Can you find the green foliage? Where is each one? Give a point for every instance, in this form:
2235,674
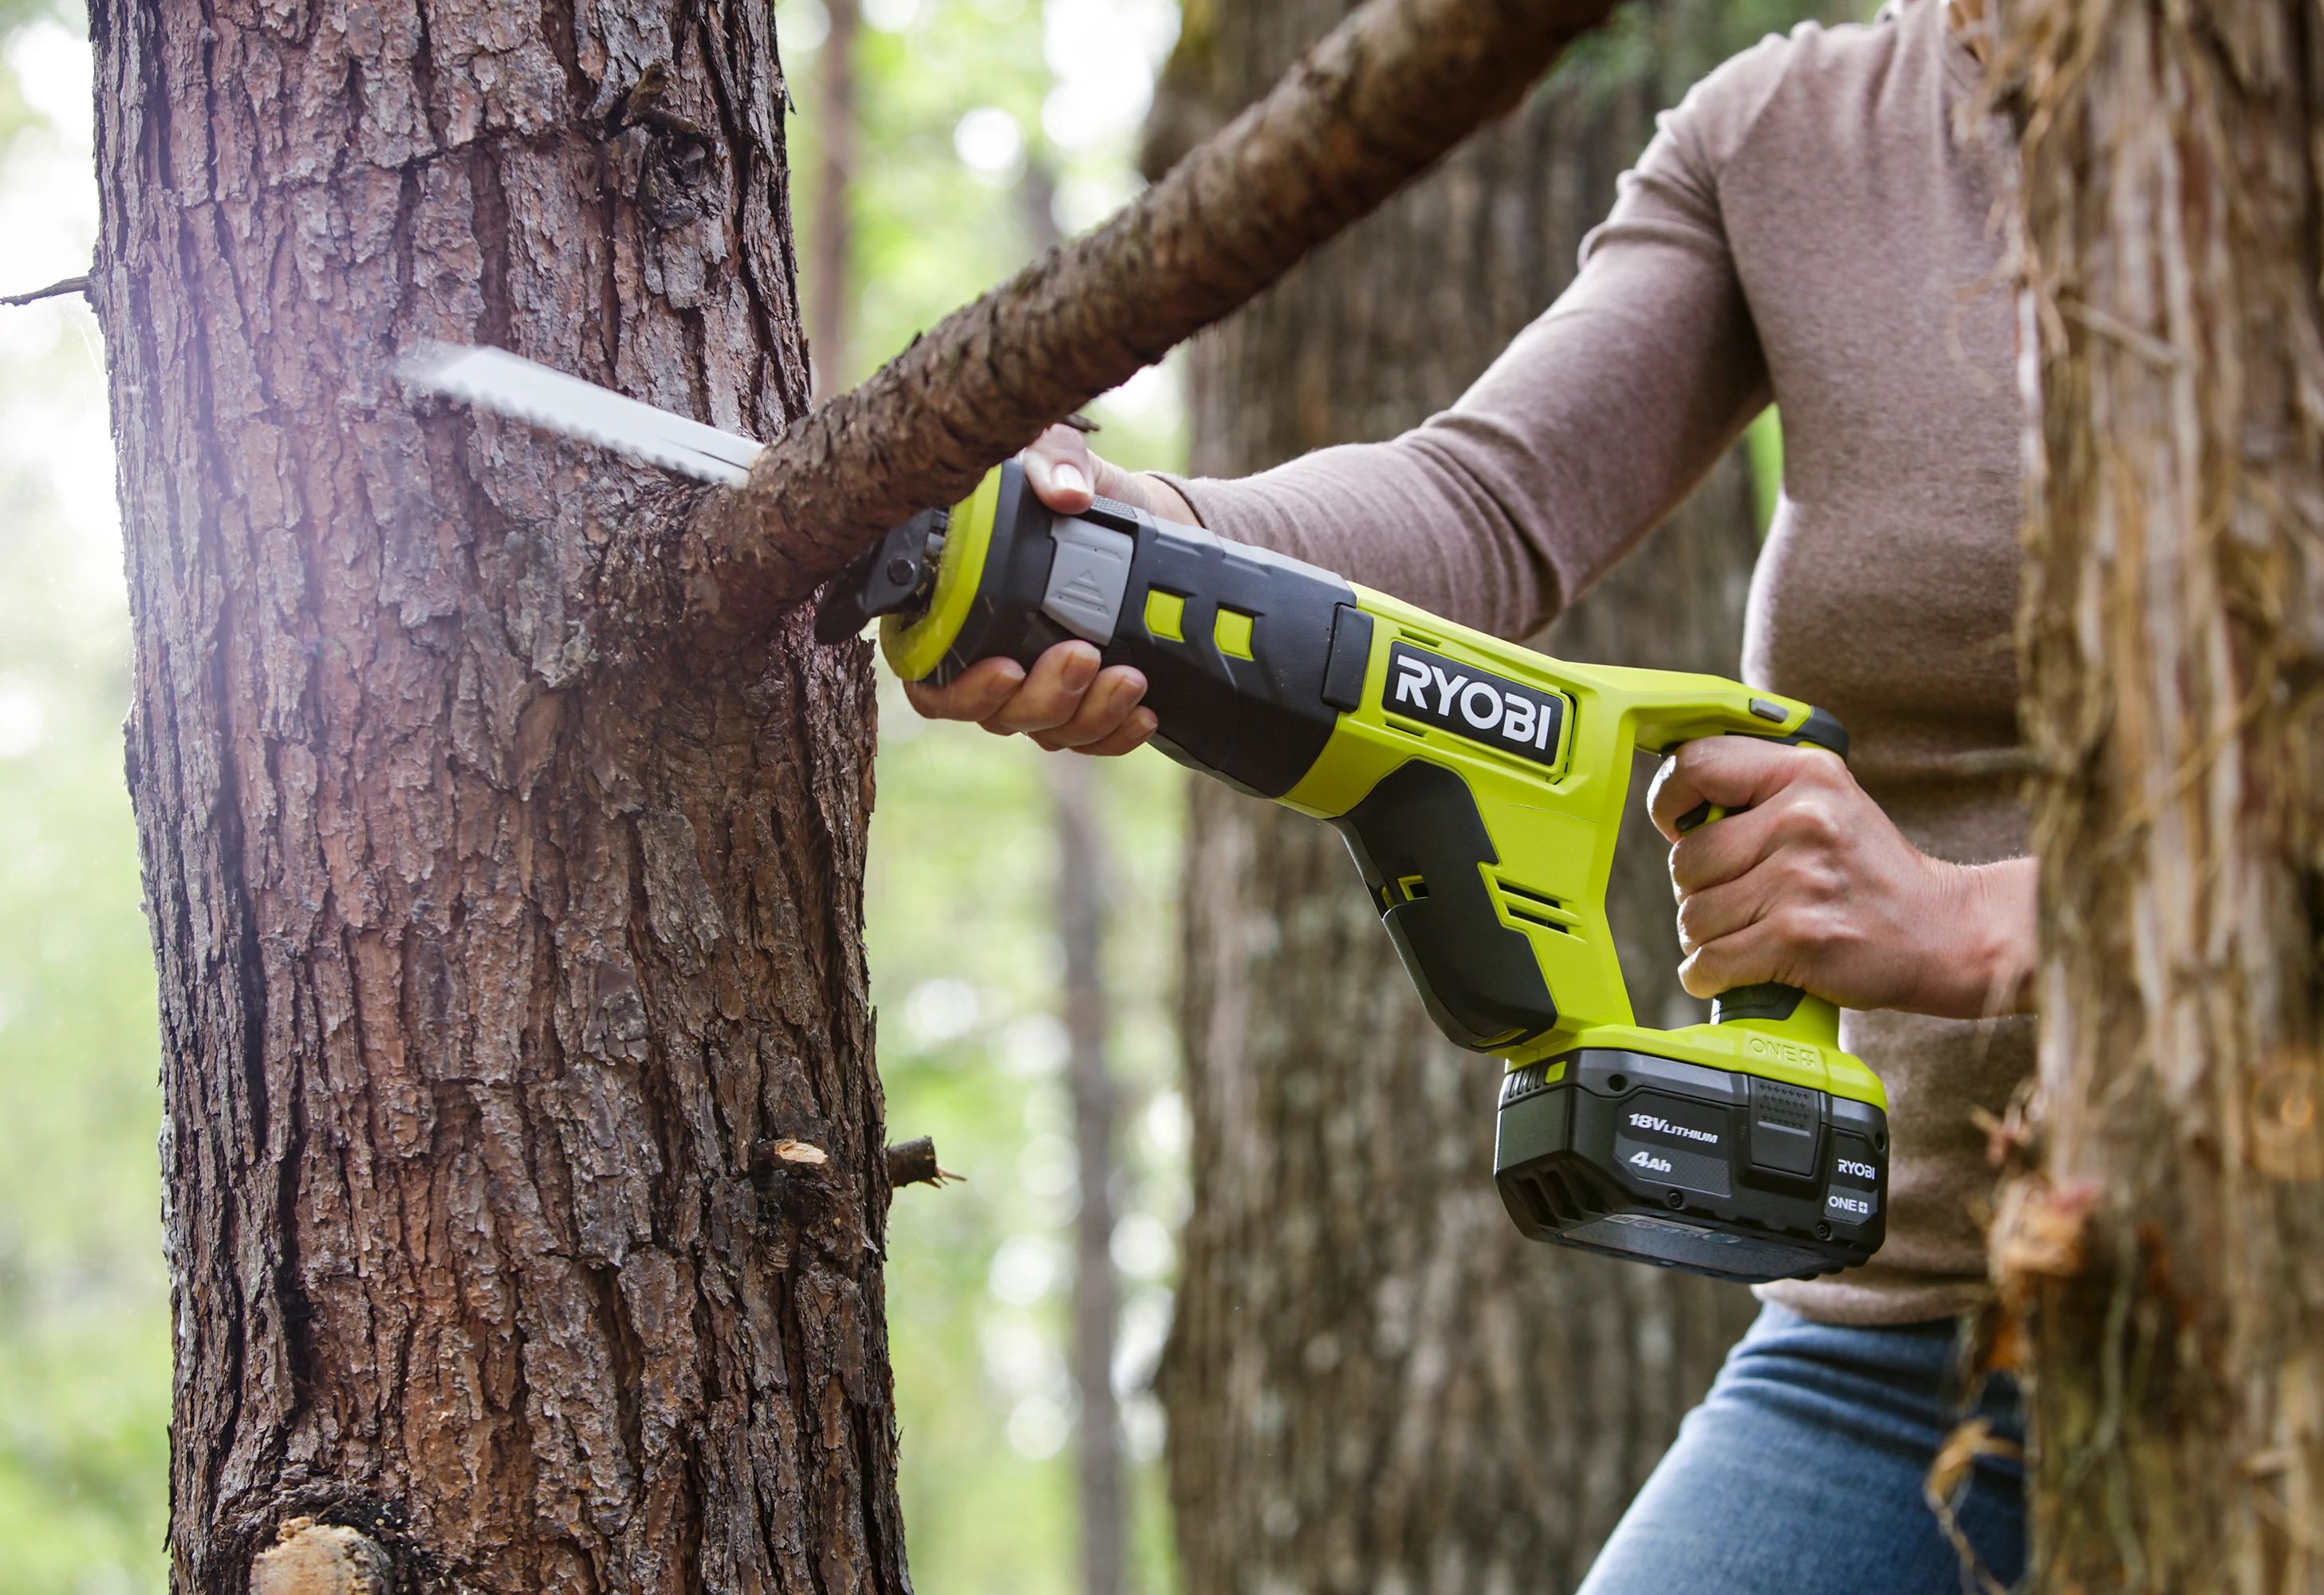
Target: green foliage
964,962
963,125
17,112
959,102
84,1305
1676,41
83,1309
966,967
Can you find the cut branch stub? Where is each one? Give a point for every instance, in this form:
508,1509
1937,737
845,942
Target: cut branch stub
786,1153
312,1558
1374,104
914,1163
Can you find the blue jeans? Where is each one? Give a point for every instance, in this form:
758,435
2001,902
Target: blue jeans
1801,1474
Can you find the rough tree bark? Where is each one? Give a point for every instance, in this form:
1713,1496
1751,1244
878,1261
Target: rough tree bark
2167,1254
1373,1383
485,963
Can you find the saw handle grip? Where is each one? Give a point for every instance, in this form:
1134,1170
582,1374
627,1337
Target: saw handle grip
1767,1005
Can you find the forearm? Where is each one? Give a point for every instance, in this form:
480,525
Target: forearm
1159,493
1402,516
1596,422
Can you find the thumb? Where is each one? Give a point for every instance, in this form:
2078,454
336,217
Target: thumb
1065,473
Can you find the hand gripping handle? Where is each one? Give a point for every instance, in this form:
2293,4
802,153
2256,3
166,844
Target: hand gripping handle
1767,1005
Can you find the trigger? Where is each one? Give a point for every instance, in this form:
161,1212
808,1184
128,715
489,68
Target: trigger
1700,815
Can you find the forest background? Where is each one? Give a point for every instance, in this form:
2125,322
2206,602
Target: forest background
981,126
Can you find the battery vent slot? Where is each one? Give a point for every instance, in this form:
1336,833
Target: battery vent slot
1559,1197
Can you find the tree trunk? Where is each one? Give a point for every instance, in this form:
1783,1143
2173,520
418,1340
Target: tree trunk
1373,1383
492,946
1083,887
2165,1255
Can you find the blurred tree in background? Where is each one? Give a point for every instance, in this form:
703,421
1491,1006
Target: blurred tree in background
983,129
1357,1319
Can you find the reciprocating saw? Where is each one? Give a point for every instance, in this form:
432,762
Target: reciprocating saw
1481,786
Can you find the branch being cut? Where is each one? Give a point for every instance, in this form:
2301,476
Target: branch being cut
1374,104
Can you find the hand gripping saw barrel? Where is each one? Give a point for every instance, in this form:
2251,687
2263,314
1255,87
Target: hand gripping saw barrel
1480,788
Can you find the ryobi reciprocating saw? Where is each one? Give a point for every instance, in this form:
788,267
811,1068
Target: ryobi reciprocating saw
1481,786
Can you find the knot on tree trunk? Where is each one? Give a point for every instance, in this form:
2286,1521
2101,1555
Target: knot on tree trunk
312,1558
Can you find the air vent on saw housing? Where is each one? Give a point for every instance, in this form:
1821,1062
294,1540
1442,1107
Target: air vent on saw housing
1534,908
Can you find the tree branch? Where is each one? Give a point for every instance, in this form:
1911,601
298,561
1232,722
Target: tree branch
1378,100
54,290
914,1163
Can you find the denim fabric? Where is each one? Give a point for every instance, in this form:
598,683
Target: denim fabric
1801,1474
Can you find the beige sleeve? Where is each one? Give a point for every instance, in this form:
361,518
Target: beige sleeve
1593,425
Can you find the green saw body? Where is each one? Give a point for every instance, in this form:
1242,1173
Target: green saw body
1481,786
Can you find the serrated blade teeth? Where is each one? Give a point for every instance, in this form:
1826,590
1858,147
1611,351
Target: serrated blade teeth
507,385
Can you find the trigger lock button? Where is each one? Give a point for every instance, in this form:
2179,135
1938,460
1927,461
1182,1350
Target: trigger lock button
1768,709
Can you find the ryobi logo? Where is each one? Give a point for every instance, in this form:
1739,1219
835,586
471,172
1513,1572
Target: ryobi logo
1472,703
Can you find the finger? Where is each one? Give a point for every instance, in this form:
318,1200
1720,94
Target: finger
1676,793
1712,770
1053,690
1711,855
1135,487
1103,709
1062,470
973,694
1669,796
1706,917
1133,734
1730,772
1746,958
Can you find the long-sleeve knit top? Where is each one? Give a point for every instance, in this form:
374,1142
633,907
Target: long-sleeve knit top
1818,226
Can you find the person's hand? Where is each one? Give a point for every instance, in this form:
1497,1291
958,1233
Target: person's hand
1065,700
1066,475
1806,881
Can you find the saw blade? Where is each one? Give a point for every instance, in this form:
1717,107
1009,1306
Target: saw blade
507,385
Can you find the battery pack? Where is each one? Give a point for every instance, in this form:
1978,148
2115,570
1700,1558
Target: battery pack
1715,1171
